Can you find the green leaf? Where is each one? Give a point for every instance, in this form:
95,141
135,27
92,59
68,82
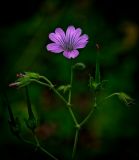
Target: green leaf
64,88
32,75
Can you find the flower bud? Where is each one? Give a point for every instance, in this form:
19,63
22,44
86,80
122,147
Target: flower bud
64,88
31,123
24,79
125,98
79,66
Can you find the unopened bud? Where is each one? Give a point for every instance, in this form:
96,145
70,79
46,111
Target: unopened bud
79,66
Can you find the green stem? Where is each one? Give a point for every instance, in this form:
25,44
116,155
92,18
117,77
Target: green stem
68,104
60,96
50,85
111,95
46,79
42,149
71,80
6,102
89,114
31,115
87,117
97,73
73,116
38,146
26,141
75,143
42,83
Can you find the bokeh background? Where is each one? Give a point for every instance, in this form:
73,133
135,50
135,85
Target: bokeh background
112,132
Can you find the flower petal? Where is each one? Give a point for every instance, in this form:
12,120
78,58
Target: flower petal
70,30
71,54
58,37
53,47
82,41
77,34
60,32
69,34
53,37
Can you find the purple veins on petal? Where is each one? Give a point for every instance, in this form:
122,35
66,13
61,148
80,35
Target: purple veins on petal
53,47
58,37
71,54
67,41
81,42
60,32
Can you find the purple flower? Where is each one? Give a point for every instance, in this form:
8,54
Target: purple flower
68,42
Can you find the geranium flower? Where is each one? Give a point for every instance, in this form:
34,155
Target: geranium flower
68,42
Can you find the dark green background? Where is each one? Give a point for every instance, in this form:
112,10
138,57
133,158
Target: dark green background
112,133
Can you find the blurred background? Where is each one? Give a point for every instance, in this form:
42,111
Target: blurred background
112,132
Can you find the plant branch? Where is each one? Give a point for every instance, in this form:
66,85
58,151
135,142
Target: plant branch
42,149
71,80
90,113
75,143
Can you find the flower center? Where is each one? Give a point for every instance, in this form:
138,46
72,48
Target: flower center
68,46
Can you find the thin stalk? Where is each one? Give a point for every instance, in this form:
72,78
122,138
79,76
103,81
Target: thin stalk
42,83
97,72
60,96
69,98
51,87
71,80
42,149
68,104
6,101
87,117
46,79
75,143
38,146
111,95
73,116
90,113
26,141
31,115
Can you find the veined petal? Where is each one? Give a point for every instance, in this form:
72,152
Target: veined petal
60,32
55,38
69,33
70,30
75,36
53,47
71,54
81,42
67,42
58,37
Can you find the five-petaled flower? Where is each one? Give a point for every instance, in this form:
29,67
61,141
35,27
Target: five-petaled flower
68,42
